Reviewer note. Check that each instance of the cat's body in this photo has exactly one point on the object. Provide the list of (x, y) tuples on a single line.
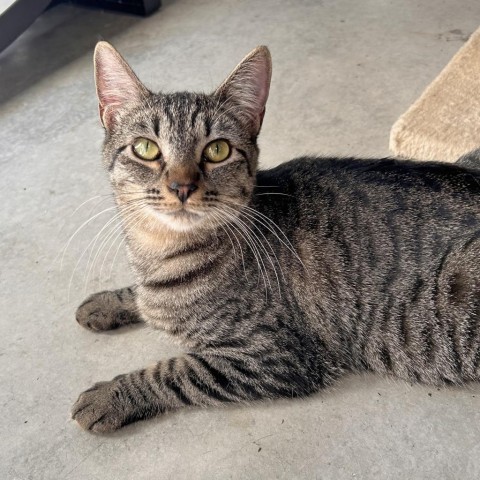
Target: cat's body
[(316, 267)]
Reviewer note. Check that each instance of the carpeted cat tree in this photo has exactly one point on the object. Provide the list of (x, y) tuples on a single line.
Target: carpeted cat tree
[(444, 123)]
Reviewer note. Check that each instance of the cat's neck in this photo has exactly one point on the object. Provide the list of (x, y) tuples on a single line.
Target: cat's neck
[(166, 253), (159, 242)]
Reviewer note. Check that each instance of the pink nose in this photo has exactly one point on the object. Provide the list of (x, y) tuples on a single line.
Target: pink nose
[(183, 191)]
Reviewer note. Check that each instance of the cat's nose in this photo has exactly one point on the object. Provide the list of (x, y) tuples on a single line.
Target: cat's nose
[(182, 190)]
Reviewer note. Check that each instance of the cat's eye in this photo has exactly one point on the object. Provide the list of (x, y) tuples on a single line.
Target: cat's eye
[(217, 151), (145, 149)]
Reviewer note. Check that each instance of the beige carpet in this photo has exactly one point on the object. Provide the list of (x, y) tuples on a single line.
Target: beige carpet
[(444, 123)]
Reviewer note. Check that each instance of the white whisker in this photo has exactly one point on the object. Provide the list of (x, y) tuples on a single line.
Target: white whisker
[(260, 216), (126, 213), (137, 222), (79, 228), (241, 227), (260, 242)]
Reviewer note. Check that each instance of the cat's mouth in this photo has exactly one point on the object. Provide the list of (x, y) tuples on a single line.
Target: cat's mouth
[(181, 219), (186, 214)]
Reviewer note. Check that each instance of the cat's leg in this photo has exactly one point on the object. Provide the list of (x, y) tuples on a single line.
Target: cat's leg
[(192, 380), (108, 310)]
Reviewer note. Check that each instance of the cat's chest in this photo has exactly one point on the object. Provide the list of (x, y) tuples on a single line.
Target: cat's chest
[(189, 303), (193, 320), (222, 304)]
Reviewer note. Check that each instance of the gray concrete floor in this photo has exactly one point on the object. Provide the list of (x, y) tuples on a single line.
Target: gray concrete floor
[(343, 72)]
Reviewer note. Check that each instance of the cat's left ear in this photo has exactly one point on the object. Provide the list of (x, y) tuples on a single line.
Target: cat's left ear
[(248, 85), (117, 85)]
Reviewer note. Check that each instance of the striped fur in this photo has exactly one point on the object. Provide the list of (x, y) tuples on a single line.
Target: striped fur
[(292, 276)]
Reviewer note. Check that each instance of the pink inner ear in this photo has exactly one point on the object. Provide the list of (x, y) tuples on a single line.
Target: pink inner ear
[(106, 97), (257, 74), (262, 72), (107, 115), (117, 85), (249, 84)]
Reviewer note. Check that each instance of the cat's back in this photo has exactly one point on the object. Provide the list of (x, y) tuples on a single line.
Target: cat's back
[(369, 225), (312, 173), (387, 246), (367, 192)]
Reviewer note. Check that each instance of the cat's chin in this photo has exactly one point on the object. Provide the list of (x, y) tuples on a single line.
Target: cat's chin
[(180, 220)]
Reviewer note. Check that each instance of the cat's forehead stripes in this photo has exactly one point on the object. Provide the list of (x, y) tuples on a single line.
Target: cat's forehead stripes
[(192, 114), (183, 113)]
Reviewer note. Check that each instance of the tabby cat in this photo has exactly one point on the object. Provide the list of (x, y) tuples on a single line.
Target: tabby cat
[(275, 281)]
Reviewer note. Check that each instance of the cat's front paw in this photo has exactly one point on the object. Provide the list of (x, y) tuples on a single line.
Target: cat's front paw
[(107, 311), (101, 408)]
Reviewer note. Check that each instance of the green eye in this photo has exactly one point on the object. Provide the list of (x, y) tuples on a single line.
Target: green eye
[(145, 149), (217, 151)]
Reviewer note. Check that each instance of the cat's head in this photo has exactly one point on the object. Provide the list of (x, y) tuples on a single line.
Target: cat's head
[(183, 161)]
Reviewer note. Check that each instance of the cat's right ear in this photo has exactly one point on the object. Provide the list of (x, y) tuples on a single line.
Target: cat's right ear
[(117, 85)]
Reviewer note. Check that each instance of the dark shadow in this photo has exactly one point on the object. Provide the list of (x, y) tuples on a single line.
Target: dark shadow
[(124, 329), (59, 36), (17, 17), (138, 7)]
